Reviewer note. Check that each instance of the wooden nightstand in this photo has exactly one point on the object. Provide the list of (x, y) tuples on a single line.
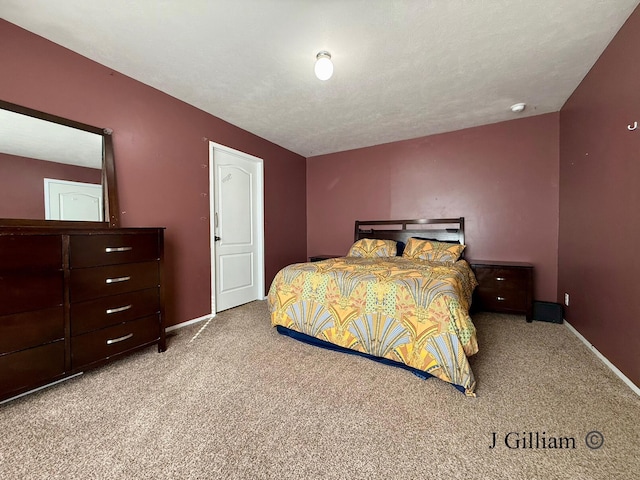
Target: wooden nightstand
[(505, 287), (319, 258)]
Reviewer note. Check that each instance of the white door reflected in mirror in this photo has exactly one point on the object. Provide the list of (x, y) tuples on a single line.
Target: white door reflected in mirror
[(66, 200)]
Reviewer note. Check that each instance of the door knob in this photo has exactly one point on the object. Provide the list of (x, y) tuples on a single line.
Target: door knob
[(216, 238)]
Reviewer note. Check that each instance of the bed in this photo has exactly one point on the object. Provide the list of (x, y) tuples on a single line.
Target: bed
[(401, 296)]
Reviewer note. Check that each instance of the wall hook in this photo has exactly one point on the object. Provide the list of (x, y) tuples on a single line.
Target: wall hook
[(635, 125)]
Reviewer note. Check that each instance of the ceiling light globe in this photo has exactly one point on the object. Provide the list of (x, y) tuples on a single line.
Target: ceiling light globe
[(518, 107), (324, 66)]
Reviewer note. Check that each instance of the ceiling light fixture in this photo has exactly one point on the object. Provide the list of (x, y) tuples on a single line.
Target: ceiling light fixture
[(324, 66), (518, 107)]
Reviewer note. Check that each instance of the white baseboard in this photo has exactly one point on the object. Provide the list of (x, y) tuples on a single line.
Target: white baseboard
[(604, 359), (189, 322)]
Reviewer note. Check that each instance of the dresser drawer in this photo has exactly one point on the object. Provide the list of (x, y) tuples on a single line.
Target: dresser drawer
[(21, 252), (102, 344), (112, 249), (31, 368), (89, 283), (105, 311), (25, 330), (29, 291)]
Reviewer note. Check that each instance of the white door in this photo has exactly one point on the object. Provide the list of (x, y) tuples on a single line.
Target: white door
[(67, 200), (237, 230)]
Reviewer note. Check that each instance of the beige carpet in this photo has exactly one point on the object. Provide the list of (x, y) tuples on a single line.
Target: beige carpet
[(242, 401)]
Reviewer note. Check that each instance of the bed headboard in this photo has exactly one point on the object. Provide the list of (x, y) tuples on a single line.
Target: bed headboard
[(443, 229)]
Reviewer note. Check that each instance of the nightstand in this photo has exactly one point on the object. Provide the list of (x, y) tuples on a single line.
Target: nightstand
[(504, 287), (319, 258)]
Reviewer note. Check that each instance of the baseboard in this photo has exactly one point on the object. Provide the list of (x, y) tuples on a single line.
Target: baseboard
[(196, 320), (188, 322), (604, 359)]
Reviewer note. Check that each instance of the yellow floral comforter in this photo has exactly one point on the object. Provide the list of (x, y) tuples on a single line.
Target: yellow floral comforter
[(410, 311)]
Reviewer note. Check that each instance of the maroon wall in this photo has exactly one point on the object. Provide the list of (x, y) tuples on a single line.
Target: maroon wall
[(22, 183), (599, 202), (161, 153), (503, 178)]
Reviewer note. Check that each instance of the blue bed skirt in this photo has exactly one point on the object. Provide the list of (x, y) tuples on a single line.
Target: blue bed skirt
[(330, 346)]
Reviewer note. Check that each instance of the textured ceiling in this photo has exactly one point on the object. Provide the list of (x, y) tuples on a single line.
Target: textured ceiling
[(403, 69)]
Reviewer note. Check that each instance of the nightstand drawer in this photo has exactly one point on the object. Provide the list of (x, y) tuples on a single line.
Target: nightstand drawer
[(493, 300), (501, 279)]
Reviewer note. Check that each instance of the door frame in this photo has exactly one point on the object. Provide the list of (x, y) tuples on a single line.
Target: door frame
[(259, 162)]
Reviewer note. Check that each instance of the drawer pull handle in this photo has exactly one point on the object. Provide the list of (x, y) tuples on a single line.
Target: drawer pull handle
[(500, 299), (111, 341), (119, 309), (500, 279), (117, 249), (117, 279)]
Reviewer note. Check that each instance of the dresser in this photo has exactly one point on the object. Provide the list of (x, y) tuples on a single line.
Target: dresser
[(71, 300), (504, 287)]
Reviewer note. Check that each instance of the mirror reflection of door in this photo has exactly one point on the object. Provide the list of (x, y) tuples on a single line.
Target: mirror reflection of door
[(66, 200)]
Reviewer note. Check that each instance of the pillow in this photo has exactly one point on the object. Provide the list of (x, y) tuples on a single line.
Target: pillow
[(432, 250), (372, 248)]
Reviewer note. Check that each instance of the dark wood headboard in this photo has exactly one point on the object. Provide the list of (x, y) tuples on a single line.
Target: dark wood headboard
[(443, 229)]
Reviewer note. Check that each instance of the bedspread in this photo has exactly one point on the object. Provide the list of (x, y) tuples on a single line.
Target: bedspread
[(410, 311)]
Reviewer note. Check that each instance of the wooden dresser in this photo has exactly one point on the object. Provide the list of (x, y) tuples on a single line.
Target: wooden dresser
[(505, 287), (71, 300)]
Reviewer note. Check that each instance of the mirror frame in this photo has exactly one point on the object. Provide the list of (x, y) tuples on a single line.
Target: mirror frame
[(109, 187)]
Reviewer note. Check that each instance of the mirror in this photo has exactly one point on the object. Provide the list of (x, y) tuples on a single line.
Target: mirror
[(54, 171)]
